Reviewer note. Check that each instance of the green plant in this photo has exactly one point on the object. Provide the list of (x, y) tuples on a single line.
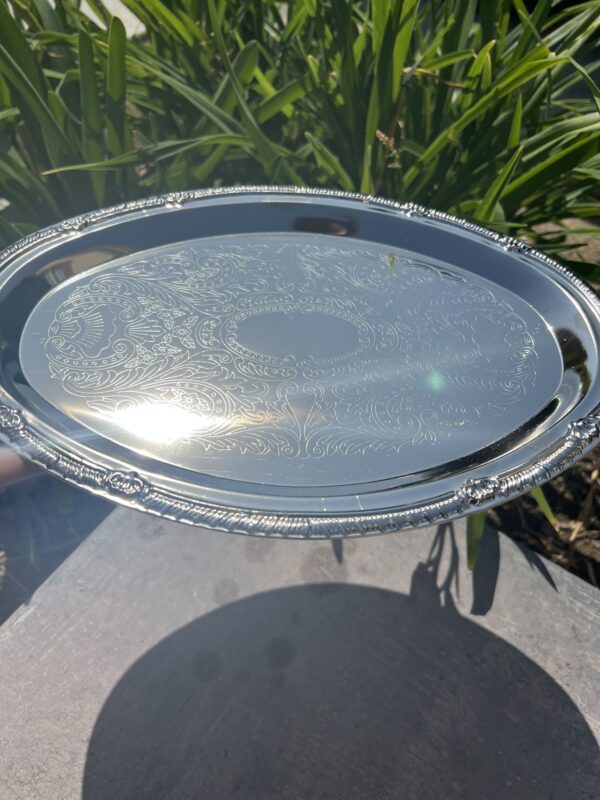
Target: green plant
[(477, 108), (476, 525)]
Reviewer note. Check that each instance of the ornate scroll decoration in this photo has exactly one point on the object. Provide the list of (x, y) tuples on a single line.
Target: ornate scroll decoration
[(170, 330), (137, 490), (132, 489)]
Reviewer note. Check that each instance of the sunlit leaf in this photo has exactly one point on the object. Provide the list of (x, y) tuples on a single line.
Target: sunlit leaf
[(544, 506), (485, 209), (475, 529)]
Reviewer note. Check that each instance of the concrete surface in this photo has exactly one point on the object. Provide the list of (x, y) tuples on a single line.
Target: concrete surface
[(161, 661), (132, 24)]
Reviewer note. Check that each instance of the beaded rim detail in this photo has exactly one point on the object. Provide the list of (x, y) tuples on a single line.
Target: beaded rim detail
[(135, 490)]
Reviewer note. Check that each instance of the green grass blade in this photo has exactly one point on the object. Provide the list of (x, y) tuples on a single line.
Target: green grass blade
[(408, 15), (98, 8), (531, 25), (551, 134), (520, 76), (91, 113), (243, 67), (194, 96), (28, 183), (514, 137), (366, 182), (485, 210), (330, 163), (157, 15), (267, 154), (447, 60), (536, 178), (21, 54), (61, 114), (478, 73), (54, 138), (380, 11), (543, 504), (48, 15), (210, 163), (591, 84), (9, 114), (475, 529), (115, 88), (302, 11), (281, 100), (156, 152)]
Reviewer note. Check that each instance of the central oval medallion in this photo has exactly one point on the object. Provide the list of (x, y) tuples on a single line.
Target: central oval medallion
[(293, 361), (297, 335)]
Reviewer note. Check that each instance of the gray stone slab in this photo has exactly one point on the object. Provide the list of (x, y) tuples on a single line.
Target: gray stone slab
[(161, 661)]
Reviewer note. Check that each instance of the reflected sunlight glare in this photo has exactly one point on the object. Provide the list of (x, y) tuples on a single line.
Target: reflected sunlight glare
[(436, 381), (162, 423)]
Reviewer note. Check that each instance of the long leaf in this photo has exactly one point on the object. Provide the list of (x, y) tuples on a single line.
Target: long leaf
[(243, 67), (50, 19), (91, 114), (485, 210), (475, 529), (16, 46), (514, 137), (543, 504), (55, 139), (115, 87), (330, 163), (266, 153), (155, 152), (408, 15), (592, 85), (380, 11), (519, 77), (531, 27), (537, 177), (281, 100), (158, 15), (194, 96)]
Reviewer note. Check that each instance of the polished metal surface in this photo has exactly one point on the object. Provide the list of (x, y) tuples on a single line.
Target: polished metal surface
[(295, 362)]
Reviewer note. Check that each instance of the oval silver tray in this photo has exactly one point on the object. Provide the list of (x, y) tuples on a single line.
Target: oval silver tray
[(294, 362)]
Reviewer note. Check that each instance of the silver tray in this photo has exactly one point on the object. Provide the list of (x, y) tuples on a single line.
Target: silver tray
[(294, 362)]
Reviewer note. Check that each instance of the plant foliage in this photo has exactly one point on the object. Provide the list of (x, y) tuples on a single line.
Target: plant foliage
[(478, 108)]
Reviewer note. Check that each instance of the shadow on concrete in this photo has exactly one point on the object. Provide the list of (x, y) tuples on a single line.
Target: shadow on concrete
[(484, 575), (487, 567), (339, 691), (42, 521)]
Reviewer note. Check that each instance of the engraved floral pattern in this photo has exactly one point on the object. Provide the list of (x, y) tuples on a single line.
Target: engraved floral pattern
[(513, 475), (168, 330)]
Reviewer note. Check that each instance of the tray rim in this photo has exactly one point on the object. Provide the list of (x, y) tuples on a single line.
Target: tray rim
[(48, 449)]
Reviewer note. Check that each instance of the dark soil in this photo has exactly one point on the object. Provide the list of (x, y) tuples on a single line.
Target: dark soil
[(575, 495), (575, 499)]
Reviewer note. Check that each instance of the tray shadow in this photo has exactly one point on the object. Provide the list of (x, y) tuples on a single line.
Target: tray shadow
[(339, 691)]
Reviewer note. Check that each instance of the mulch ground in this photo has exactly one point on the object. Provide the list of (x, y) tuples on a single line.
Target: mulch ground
[(575, 495), (575, 499)]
